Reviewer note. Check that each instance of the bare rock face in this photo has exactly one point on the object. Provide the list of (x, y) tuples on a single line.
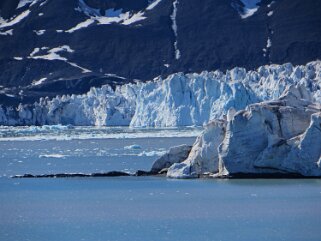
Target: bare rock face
[(175, 154), (280, 137), (138, 40)]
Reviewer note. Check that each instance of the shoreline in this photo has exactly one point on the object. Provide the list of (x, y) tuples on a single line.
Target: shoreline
[(141, 173)]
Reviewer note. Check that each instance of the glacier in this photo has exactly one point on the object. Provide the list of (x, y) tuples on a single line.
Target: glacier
[(178, 100), (280, 137)]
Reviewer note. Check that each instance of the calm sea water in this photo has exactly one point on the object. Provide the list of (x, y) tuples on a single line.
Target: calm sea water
[(141, 208)]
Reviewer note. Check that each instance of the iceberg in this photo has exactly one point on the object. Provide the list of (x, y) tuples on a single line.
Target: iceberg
[(278, 137), (175, 155)]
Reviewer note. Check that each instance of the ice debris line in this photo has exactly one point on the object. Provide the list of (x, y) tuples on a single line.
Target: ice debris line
[(179, 100)]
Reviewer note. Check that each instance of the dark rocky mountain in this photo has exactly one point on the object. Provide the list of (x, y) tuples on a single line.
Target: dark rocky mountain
[(50, 47)]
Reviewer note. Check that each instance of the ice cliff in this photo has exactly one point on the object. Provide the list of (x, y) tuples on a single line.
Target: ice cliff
[(281, 136), (178, 100), (99, 107)]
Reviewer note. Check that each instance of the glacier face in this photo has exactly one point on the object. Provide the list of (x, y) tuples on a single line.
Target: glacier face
[(280, 137), (194, 99), (178, 100), (99, 107)]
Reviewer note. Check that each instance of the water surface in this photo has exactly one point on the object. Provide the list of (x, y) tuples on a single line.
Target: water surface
[(139, 208)]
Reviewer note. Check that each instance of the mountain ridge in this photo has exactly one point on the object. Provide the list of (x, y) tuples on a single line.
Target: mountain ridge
[(142, 41)]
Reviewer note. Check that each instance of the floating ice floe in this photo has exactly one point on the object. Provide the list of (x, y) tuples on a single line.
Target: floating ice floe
[(52, 156), (133, 147), (152, 153)]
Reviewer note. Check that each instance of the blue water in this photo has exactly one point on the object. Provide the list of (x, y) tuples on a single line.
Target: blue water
[(142, 208), (87, 156), (159, 209)]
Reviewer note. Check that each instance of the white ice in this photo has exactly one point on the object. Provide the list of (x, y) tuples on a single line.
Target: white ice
[(250, 7), (8, 23), (133, 147), (23, 3), (39, 82), (153, 4), (84, 24), (178, 100), (39, 32), (8, 32), (174, 27)]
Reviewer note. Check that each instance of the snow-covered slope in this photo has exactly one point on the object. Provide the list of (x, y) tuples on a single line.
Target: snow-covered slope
[(179, 100), (111, 15)]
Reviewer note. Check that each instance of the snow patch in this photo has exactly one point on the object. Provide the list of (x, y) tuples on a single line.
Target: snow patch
[(39, 32), (134, 18), (248, 12), (111, 16), (52, 54), (270, 5), (35, 50), (8, 32), (39, 82), (10, 95), (8, 23), (248, 9), (23, 3), (269, 14), (174, 27), (268, 43), (84, 70), (153, 4), (84, 24)]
